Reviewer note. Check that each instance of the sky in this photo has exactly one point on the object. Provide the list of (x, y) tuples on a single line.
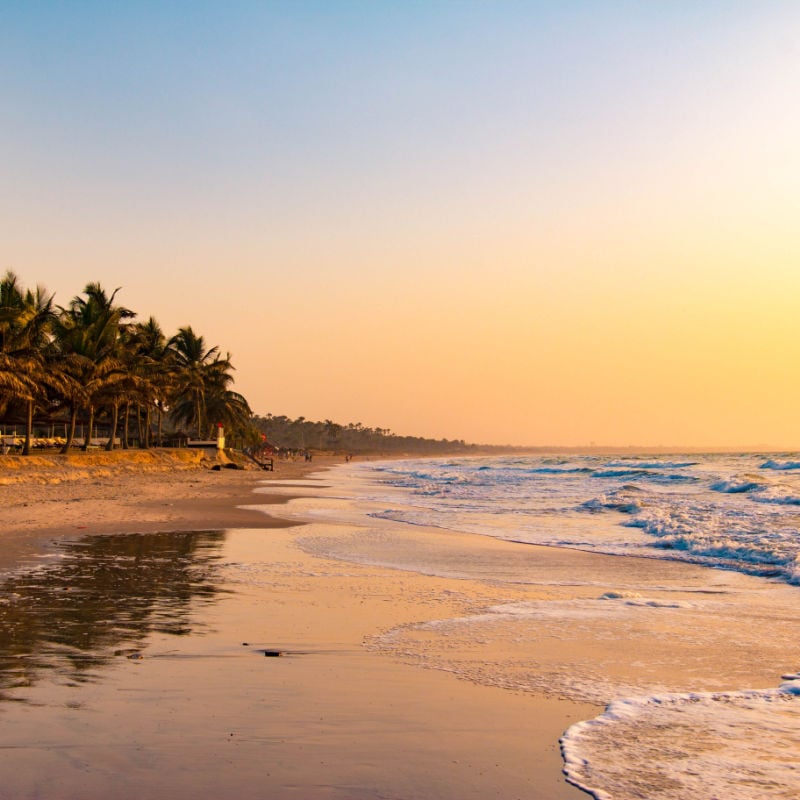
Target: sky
[(532, 223)]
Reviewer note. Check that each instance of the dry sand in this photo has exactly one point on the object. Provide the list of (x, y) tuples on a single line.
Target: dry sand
[(55, 498), (208, 716)]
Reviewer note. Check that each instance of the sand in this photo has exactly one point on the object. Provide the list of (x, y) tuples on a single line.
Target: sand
[(137, 663), (146, 711), (47, 498)]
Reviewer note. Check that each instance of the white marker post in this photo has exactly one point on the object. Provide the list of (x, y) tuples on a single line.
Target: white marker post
[(220, 437)]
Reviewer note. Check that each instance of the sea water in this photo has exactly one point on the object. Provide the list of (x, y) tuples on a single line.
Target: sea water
[(740, 512), (674, 726)]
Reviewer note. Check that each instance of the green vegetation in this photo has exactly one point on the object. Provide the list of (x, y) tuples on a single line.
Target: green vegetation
[(302, 434), (91, 364)]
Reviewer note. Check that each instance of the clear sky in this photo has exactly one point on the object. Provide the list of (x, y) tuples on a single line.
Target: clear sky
[(509, 222)]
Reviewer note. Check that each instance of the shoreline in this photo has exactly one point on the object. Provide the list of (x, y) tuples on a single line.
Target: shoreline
[(48, 499), (484, 656), (464, 739)]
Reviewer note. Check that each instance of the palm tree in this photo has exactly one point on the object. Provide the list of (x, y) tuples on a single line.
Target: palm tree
[(232, 410), (88, 360), (88, 335), (199, 370), (71, 391), (25, 320), (149, 360)]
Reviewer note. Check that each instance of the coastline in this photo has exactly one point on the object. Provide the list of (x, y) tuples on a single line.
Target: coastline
[(389, 730), (421, 662), (48, 499), (689, 655)]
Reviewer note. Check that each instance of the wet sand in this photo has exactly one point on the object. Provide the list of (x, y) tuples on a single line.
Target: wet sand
[(153, 682), (45, 501), (132, 660)]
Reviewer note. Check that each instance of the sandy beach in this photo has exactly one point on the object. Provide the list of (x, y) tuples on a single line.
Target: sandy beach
[(52, 498), (207, 715), (168, 630)]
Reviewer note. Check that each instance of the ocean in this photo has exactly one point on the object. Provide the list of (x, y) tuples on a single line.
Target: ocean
[(692, 642), (739, 512)]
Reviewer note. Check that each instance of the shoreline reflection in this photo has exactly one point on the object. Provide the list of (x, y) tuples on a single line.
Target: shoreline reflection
[(100, 601)]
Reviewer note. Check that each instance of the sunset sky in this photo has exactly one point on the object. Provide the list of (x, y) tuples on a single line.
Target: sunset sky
[(509, 222)]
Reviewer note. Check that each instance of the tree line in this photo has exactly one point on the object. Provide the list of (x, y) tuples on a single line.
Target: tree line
[(303, 434), (91, 362)]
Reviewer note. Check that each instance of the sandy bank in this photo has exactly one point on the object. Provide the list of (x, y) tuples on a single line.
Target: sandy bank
[(202, 715), (59, 497)]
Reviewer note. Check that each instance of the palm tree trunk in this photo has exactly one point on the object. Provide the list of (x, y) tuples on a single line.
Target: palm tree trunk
[(147, 420), (89, 429), (125, 420), (114, 422), (73, 416), (26, 449), (199, 420), (160, 420), (139, 423)]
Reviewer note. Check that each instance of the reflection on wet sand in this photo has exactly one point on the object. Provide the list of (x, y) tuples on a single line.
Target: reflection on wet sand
[(204, 714), (100, 602)]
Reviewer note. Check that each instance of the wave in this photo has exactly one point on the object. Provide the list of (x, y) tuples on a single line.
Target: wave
[(622, 473), (735, 487), (780, 465), (559, 470), (606, 503), (646, 474), (652, 464), (728, 514), (699, 535), (778, 500), (631, 749), (730, 554)]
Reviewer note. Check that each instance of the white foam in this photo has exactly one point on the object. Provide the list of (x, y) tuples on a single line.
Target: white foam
[(722, 511), (732, 745), (679, 739)]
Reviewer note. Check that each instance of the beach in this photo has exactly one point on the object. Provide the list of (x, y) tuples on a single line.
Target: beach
[(663, 588), (173, 631), (151, 711), (50, 498)]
